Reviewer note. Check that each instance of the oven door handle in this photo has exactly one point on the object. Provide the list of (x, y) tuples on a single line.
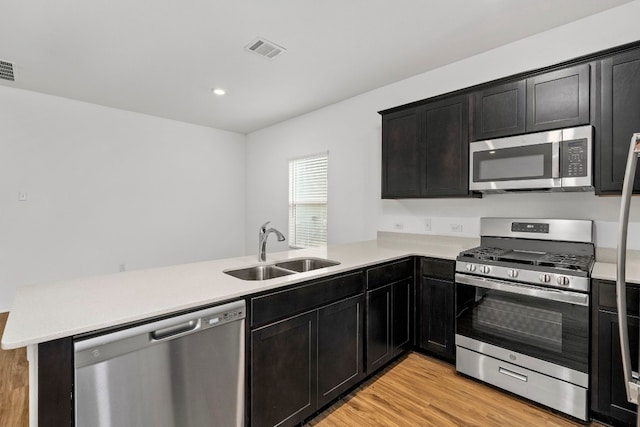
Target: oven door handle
[(522, 289)]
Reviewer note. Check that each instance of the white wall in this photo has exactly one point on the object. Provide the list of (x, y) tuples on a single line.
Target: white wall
[(350, 130), (107, 187)]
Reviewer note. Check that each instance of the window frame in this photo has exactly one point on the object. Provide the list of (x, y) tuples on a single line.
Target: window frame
[(316, 199)]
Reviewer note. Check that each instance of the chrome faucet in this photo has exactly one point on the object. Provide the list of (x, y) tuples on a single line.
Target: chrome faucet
[(262, 240)]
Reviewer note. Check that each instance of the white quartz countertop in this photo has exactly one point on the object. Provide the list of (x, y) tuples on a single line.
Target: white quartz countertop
[(605, 266), (48, 311)]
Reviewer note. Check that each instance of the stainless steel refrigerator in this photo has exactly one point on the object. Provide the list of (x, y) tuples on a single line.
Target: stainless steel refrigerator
[(631, 379)]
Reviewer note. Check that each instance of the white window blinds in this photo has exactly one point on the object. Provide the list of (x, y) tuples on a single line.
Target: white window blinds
[(308, 184)]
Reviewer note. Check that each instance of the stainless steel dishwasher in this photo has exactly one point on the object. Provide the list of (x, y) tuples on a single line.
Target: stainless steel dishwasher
[(185, 371)]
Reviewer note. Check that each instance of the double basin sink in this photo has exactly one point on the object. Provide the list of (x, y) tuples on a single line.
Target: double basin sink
[(280, 268)]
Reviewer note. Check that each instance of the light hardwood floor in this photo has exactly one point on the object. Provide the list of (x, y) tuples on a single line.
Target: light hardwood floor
[(14, 384), (421, 391), (414, 391)]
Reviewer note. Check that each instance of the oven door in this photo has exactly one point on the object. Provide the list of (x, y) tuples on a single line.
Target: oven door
[(539, 323), (525, 162)]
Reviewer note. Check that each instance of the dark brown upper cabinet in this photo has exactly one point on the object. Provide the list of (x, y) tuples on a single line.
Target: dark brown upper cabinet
[(558, 99), (425, 150), (446, 148), (401, 167), (499, 111), (620, 109), (551, 100)]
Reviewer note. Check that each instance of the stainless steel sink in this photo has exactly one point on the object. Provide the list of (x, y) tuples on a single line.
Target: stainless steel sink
[(306, 264), (279, 269), (259, 272)]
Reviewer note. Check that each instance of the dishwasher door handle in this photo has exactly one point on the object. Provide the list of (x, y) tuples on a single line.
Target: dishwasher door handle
[(175, 331)]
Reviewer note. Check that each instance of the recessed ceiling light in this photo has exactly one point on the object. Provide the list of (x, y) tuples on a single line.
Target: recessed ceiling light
[(218, 91)]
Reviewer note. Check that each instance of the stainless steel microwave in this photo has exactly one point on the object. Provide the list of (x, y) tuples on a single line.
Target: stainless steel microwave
[(558, 160)]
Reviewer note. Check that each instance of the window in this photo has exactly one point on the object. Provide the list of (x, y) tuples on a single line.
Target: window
[(308, 185)]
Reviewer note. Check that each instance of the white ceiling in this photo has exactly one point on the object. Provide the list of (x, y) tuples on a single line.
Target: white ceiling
[(162, 57)]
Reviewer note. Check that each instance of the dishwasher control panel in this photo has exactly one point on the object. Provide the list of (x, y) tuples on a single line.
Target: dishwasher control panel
[(222, 318)]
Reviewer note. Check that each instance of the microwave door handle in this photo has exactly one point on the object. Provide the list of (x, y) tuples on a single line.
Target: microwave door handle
[(555, 159), (632, 387)]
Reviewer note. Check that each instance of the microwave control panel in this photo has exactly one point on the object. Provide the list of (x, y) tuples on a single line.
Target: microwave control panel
[(575, 156)]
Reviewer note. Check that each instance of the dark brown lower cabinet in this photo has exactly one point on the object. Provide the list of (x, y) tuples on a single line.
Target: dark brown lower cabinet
[(611, 396), (283, 361), (55, 383), (301, 363), (608, 397), (389, 312), (437, 317), (340, 359), (436, 310), (389, 318), (378, 327), (402, 316)]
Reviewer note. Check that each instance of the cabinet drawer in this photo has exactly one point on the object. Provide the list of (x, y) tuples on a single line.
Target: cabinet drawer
[(279, 305), (389, 273), (606, 294), (440, 268)]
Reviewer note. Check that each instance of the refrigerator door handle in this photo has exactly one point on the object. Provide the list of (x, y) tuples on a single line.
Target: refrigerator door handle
[(631, 384)]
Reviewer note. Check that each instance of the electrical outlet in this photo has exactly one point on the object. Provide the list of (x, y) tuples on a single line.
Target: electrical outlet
[(22, 196), (398, 226), (427, 224), (122, 267), (456, 228)]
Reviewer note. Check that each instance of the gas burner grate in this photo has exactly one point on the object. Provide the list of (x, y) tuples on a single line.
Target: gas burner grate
[(574, 262), (509, 256), (484, 253)]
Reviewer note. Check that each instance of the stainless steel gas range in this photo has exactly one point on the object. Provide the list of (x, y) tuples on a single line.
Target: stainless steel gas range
[(522, 321)]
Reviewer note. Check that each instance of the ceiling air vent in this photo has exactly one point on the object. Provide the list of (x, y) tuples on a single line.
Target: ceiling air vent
[(265, 48), (6, 71)]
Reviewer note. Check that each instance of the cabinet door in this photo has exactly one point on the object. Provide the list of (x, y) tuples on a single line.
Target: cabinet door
[(446, 148), (340, 340), (401, 315), (499, 111), (610, 396), (436, 325), (401, 168), (620, 119), (378, 327), (558, 99), (283, 371)]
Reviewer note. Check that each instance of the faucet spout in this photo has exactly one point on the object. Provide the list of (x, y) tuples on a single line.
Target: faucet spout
[(263, 234)]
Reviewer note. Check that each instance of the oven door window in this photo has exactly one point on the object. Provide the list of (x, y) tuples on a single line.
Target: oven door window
[(516, 163), (557, 332)]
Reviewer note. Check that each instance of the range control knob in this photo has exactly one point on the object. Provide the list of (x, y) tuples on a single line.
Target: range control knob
[(544, 278), (563, 281), (485, 269), (471, 267), (512, 273)]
